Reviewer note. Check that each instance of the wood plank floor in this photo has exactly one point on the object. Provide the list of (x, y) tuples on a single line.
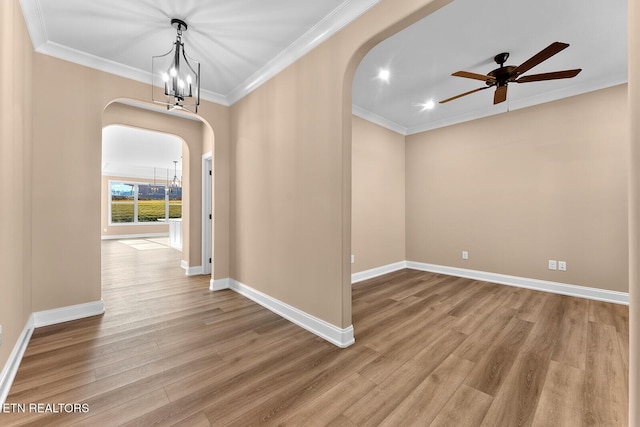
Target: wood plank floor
[(431, 350)]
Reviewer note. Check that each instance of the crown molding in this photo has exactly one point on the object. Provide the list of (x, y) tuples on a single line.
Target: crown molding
[(82, 58), (35, 22), (331, 24), (379, 120), (39, 39), (209, 95), (530, 101), (566, 92)]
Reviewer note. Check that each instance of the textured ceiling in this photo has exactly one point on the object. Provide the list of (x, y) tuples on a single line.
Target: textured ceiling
[(242, 43)]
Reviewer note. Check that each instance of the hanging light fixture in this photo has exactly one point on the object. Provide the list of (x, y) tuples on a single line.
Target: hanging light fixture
[(176, 77), (175, 182)]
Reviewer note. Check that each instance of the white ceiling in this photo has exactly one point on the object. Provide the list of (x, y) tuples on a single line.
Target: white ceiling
[(466, 35), (243, 43), (239, 43), (139, 153)]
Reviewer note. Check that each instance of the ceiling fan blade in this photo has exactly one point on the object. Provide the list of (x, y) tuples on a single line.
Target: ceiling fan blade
[(543, 55), (500, 95), (474, 76), (566, 74), (464, 94)]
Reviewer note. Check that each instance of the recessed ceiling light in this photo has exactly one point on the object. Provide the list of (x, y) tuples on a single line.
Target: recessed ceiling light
[(427, 105), (384, 74)]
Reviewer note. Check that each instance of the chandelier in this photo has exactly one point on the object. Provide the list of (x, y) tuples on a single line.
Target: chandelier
[(176, 182), (176, 77), (172, 186)]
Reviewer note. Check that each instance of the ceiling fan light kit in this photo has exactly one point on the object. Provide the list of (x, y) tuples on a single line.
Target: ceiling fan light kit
[(505, 74)]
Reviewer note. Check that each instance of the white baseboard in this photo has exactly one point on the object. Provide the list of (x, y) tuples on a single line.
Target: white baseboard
[(335, 335), (523, 282), (133, 236), (378, 271), (13, 363), (219, 284), (66, 314), (191, 271), (37, 320)]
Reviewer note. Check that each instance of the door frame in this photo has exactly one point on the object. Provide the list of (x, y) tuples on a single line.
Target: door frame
[(207, 213)]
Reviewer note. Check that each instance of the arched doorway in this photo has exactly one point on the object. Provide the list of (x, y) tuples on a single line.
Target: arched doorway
[(141, 184), (195, 136)]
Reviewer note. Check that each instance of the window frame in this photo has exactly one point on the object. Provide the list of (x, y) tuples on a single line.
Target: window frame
[(136, 190)]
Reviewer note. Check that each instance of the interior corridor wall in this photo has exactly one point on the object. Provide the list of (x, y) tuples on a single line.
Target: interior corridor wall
[(634, 212), (67, 134), (15, 175), (378, 196), (518, 189), (191, 133), (291, 178), (220, 230)]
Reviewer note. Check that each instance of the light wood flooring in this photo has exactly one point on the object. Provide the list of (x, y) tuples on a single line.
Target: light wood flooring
[(431, 350)]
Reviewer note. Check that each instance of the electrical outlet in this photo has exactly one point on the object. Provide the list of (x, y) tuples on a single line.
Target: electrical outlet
[(553, 264), (562, 265), (353, 259), (0, 334), (465, 255)]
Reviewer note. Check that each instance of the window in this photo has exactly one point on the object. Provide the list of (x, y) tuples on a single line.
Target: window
[(143, 203), (175, 202), (152, 205), (122, 202)]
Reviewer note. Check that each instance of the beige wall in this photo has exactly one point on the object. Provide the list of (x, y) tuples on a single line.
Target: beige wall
[(217, 142), (67, 145), (15, 175), (634, 213), (378, 196), (301, 117), (518, 189), (291, 227), (192, 134), (125, 229)]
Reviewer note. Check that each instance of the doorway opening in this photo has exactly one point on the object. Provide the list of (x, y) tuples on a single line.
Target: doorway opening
[(182, 178), (142, 188)]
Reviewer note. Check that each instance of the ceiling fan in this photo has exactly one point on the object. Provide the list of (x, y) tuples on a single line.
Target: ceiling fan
[(503, 75)]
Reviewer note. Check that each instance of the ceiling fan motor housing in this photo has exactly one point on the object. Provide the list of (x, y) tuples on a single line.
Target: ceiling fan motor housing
[(503, 75)]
